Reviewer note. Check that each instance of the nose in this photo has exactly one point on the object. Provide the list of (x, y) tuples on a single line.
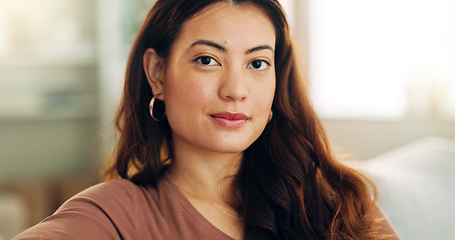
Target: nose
[(233, 85)]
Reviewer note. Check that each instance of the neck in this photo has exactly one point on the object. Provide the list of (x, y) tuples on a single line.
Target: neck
[(206, 175), (207, 178)]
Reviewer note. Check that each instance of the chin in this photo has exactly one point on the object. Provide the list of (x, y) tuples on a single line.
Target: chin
[(231, 146)]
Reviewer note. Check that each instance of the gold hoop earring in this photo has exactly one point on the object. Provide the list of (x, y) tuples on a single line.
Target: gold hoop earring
[(155, 106)]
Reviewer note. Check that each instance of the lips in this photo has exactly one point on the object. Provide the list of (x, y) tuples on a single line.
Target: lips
[(230, 116), (231, 120)]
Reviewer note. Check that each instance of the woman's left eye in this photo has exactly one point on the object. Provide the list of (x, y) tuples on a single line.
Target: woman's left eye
[(259, 65)]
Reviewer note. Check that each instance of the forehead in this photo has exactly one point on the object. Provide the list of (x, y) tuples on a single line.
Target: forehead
[(228, 24)]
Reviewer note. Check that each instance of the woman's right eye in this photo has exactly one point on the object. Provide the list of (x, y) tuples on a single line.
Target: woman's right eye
[(206, 60)]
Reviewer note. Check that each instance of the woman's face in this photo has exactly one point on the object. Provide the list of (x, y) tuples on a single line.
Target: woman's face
[(219, 80)]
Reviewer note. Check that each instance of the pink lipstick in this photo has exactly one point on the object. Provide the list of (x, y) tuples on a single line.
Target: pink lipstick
[(230, 120)]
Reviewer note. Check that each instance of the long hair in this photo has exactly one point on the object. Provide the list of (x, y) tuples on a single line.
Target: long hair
[(290, 185)]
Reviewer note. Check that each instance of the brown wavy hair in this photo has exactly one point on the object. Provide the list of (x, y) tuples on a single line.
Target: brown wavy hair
[(290, 185)]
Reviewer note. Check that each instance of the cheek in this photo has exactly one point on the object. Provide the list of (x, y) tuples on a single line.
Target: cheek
[(267, 93), (186, 93), (263, 102), (272, 90)]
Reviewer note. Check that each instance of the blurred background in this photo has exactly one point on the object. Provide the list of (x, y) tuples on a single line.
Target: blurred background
[(381, 76)]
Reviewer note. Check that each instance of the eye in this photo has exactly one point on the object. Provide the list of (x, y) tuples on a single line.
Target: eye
[(259, 65), (206, 60)]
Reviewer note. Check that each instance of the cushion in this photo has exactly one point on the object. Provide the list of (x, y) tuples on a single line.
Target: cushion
[(416, 185)]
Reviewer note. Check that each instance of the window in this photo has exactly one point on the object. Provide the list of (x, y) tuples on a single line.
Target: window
[(382, 59)]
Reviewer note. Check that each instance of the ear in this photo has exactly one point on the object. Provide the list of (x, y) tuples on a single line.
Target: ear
[(154, 70)]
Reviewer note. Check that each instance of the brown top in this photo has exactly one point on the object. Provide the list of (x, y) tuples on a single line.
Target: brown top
[(119, 209)]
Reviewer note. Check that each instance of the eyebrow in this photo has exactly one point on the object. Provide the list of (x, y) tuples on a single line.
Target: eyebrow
[(259, 48), (209, 43), (221, 48)]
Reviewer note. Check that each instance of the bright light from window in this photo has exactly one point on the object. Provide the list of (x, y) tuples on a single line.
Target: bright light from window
[(289, 7), (382, 59)]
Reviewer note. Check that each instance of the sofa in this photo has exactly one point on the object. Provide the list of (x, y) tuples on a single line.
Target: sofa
[(416, 185)]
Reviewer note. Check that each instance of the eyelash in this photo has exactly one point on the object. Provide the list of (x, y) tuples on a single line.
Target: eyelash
[(200, 59), (267, 64)]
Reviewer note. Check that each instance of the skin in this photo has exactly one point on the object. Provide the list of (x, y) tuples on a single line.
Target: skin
[(222, 61)]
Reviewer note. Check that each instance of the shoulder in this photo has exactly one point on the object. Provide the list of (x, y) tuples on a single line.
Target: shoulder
[(112, 197), (382, 224), (119, 200), (118, 190), (108, 210)]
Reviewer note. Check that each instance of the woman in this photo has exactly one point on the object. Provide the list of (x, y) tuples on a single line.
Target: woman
[(218, 140)]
